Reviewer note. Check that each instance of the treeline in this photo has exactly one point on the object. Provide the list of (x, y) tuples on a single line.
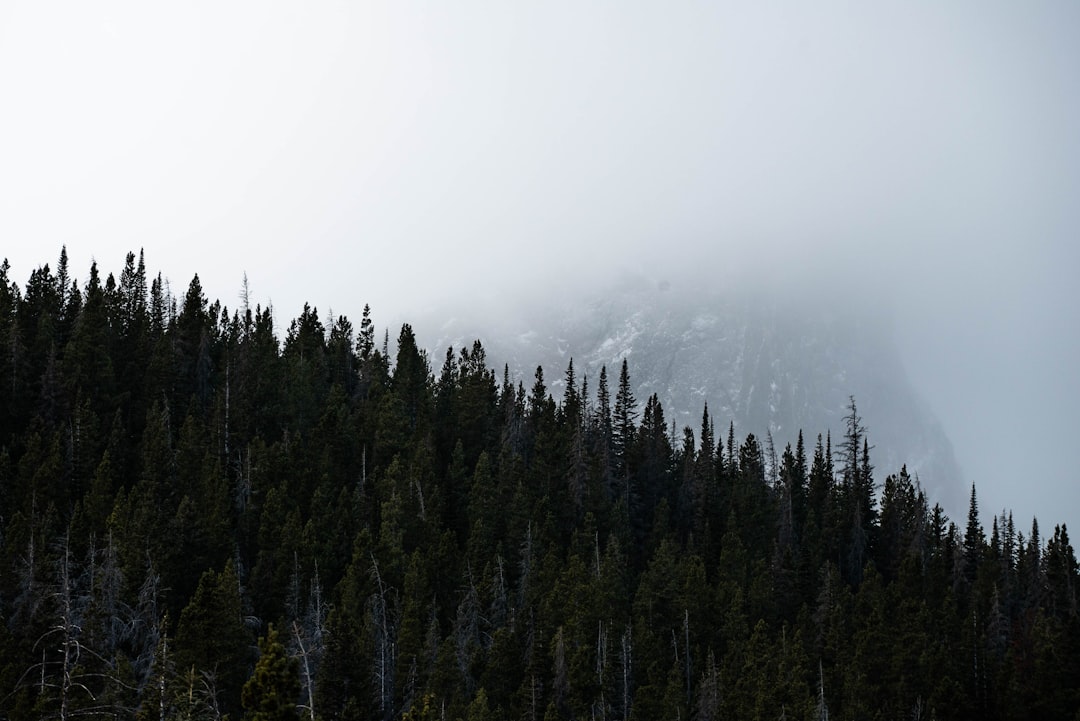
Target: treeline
[(180, 488)]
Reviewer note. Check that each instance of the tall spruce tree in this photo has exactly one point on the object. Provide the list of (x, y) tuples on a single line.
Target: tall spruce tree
[(624, 429), (858, 511), (272, 692), (974, 539)]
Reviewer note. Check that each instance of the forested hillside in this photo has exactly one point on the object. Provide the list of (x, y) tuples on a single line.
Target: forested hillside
[(199, 518)]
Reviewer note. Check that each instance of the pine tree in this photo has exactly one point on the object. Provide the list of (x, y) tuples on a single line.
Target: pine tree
[(974, 540), (273, 689), (624, 430), (858, 513), (704, 474), (411, 378), (574, 421), (193, 363), (602, 435), (211, 637), (341, 358)]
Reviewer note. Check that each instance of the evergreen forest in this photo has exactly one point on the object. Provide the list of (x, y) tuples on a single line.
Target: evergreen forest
[(202, 519)]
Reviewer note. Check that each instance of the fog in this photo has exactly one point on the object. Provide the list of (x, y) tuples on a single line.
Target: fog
[(916, 158)]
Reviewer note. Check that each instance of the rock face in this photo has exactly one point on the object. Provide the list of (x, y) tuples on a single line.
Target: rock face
[(765, 365)]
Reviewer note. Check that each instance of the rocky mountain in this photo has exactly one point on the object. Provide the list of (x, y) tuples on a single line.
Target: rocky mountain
[(767, 366)]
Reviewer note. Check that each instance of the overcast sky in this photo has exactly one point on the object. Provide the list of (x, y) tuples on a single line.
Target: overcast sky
[(926, 155)]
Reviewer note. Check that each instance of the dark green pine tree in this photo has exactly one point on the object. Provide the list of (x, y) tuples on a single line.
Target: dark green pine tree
[(791, 493), (654, 472), (704, 478), (272, 691), (365, 340), (858, 516), (974, 540), (799, 485), (572, 418), (624, 417), (211, 639), (903, 515), (341, 356), (192, 352), (132, 342), (411, 379), (603, 434), (624, 430), (751, 499), (10, 345), (306, 370), (87, 365), (445, 408), (477, 404)]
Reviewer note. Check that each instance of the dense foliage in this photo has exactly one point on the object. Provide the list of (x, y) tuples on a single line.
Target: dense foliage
[(180, 489)]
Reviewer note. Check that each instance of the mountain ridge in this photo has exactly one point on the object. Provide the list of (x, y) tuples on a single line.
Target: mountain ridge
[(766, 365)]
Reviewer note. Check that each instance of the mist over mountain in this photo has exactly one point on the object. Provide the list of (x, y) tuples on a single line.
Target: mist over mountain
[(766, 363)]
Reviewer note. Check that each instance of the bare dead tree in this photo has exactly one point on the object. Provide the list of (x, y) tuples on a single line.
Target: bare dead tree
[(822, 709), (689, 663), (466, 634), (600, 705), (69, 668), (308, 642), (385, 647), (708, 697), (626, 657)]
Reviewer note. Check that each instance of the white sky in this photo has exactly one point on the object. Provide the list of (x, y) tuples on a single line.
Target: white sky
[(405, 153)]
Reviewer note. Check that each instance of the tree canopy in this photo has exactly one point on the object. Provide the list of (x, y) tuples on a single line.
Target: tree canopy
[(410, 542)]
